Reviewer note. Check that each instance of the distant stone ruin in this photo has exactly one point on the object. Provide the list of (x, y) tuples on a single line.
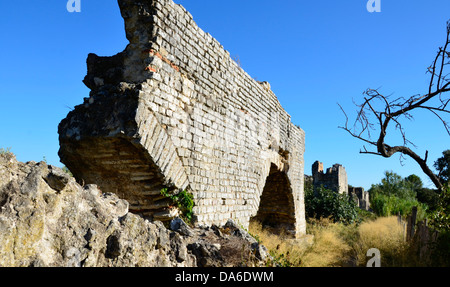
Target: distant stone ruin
[(335, 178), (173, 110), (360, 196)]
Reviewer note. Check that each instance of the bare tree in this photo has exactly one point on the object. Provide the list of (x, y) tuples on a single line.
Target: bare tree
[(378, 112)]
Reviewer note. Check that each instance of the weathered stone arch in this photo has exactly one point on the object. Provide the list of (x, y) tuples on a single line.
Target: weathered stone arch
[(175, 105), (132, 156), (276, 206)]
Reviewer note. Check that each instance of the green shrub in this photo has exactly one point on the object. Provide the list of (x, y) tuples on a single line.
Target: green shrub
[(440, 218), (184, 201), (394, 185), (440, 250), (323, 203), (430, 197), (385, 205), (442, 165)]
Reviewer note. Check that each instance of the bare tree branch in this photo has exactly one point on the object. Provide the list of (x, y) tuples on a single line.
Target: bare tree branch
[(377, 112)]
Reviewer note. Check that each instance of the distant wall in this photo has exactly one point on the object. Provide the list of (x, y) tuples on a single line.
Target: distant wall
[(335, 177), (360, 196)]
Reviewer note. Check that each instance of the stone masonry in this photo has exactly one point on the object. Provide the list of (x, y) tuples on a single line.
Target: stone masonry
[(174, 110), (360, 196), (335, 178)]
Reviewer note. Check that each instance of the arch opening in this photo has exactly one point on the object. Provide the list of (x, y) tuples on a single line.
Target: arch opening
[(120, 167), (276, 210)]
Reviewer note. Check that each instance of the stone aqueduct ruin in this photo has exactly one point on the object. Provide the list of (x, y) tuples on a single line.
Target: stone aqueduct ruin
[(174, 110)]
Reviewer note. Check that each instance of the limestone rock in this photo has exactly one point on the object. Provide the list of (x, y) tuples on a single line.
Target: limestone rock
[(48, 219), (181, 227)]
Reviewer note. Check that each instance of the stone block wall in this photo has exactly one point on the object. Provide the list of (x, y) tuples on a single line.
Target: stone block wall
[(335, 177), (174, 110), (360, 196)]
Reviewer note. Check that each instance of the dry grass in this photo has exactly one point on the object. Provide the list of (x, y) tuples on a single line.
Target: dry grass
[(328, 250), (337, 245), (281, 246), (387, 235)]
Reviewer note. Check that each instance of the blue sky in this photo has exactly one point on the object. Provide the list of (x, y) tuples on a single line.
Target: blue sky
[(315, 54)]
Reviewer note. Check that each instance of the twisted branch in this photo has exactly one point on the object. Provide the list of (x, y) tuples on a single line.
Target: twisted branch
[(370, 118)]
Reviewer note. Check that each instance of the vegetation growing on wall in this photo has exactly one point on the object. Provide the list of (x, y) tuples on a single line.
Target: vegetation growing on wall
[(183, 200)]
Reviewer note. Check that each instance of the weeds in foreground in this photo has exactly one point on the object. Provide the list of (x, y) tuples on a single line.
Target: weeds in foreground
[(282, 248), (387, 235), (331, 246), (339, 245)]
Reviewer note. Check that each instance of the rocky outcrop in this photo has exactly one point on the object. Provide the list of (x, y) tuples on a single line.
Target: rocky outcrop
[(48, 219)]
